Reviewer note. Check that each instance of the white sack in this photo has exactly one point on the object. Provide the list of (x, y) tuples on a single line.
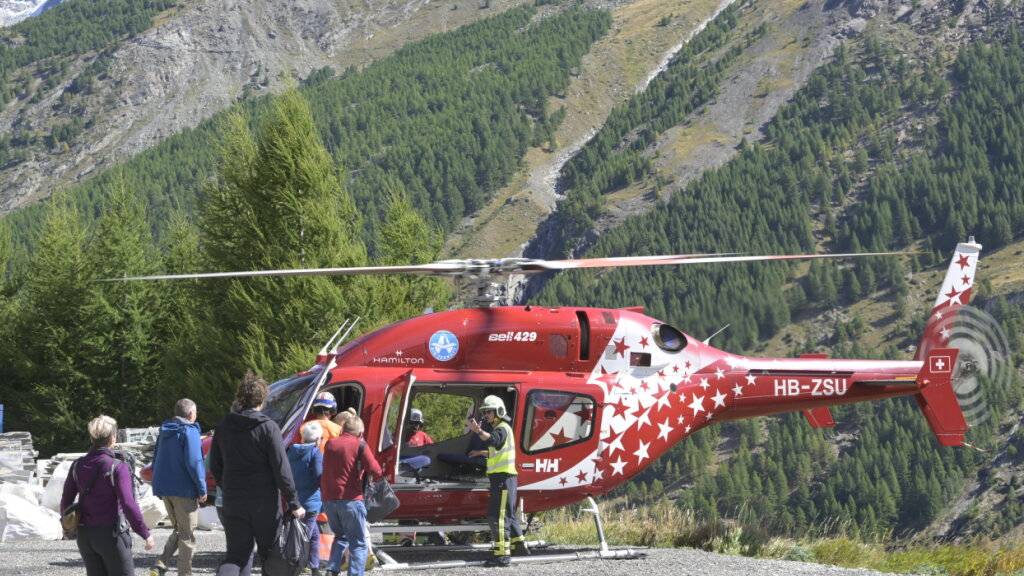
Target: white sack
[(153, 509), (26, 491), (55, 487), (23, 520), (208, 519)]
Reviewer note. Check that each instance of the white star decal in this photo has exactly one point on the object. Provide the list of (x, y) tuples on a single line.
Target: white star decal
[(719, 399), (687, 430), (615, 445), (938, 315), (737, 390), (598, 474), (680, 419), (751, 379), (719, 374), (710, 414), (945, 333), (697, 405), (665, 430), (644, 418), (617, 466), (704, 383), (641, 451), (663, 401)]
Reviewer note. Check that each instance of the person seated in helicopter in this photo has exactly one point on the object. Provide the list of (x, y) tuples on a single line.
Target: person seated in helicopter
[(416, 438), (473, 460)]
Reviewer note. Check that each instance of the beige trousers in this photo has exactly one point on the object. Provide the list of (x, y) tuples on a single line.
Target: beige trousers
[(184, 516)]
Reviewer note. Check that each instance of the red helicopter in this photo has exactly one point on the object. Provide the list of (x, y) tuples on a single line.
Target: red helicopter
[(595, 395)]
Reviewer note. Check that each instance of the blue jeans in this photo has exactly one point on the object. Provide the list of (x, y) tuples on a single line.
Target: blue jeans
[(338, 549), (314, 537), (348, 517)]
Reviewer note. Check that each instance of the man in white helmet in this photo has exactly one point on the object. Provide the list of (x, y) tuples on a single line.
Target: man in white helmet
[(501, 470)]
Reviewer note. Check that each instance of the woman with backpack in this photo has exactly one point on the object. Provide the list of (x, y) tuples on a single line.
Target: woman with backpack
[(107, 509)]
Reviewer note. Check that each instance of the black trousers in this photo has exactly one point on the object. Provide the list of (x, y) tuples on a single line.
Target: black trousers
[(249, 522), (105, 554), (501, 513)]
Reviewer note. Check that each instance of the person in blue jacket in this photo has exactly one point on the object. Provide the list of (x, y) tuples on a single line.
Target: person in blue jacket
[(179, 477), (307, 464)]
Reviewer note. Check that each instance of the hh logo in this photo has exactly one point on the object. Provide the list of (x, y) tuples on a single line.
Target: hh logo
[(547, 464), (940, 364)]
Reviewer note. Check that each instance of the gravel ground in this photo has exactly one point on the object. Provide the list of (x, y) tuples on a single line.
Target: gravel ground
[(60, 558)]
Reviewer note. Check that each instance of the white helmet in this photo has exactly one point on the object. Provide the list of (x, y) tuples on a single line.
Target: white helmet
[(494, 403), (416, 415)]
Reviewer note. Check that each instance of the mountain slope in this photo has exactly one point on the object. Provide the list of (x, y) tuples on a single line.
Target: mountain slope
[(190, 64)]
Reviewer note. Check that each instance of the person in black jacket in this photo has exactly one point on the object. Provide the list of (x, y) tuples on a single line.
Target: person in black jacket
[(248, 461)]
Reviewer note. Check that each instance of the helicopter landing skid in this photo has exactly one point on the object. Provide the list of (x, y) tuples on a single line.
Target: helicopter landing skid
[(386, 562)]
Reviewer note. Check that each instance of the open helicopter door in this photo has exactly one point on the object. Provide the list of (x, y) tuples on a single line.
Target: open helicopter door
[(391, 429)]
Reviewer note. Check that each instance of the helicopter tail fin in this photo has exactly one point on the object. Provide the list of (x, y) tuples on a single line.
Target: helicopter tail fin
[(937, 399), (954, 295), (936, 396)]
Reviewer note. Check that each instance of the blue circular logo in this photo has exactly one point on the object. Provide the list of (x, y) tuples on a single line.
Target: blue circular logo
[(443, 345)]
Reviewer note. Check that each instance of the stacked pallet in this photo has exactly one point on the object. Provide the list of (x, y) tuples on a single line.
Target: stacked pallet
[(17, 457), (138, 435)]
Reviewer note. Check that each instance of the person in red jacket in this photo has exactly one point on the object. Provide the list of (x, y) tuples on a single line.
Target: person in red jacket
[(347, 459)]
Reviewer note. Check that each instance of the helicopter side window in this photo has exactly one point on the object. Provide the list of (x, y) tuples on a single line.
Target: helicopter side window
[(668, 338), (556, 419), (390, 431), (282, 403)]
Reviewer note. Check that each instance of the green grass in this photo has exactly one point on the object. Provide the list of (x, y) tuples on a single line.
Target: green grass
[(663, 525)]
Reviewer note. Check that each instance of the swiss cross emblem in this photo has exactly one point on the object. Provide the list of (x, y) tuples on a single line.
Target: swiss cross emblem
[(940, 364)]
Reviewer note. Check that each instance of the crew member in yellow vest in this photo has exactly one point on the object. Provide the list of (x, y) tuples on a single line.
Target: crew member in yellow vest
[(501, 470)]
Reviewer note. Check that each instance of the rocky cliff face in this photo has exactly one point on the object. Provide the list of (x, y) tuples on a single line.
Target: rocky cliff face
[(14, 11), (198, 60)]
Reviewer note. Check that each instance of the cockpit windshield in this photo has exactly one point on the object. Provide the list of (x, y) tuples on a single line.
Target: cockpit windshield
[(284, 394)]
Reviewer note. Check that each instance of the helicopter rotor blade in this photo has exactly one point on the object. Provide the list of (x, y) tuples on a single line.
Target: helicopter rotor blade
[(631, 261), (434, 268), (481, 268)]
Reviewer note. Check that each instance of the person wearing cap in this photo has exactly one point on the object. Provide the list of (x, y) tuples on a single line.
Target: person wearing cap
[(324, 408), (501, 471), (307, 463)]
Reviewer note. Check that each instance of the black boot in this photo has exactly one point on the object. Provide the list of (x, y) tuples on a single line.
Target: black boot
[(498, 562), (520, 549)]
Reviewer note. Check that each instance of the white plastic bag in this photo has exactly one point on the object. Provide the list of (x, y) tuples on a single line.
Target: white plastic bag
[(24, 520), (55, 487), (208, 519)]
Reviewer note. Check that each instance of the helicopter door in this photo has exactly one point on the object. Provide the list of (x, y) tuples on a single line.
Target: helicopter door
[(391, 428), (557, 430)]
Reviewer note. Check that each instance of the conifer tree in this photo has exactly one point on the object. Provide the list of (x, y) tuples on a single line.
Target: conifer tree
[(121, 345), (278, 203), (406, 238), (53, 394)]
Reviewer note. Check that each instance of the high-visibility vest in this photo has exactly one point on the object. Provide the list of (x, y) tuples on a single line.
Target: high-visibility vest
[(502, 461)]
